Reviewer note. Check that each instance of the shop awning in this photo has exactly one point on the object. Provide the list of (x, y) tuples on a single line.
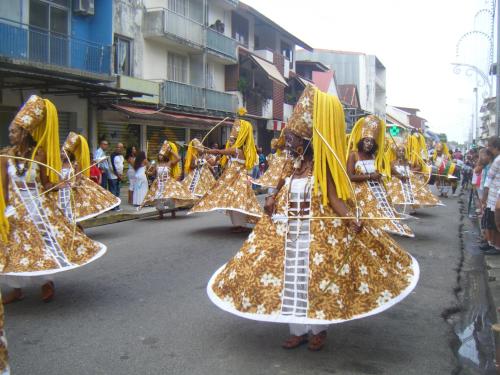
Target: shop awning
[(153, 114), (271, 71), (275, 125)]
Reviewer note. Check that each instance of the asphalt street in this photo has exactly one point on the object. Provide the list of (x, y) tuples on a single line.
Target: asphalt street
[(143, 309)]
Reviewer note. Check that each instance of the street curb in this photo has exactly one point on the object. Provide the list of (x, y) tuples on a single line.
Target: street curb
[(116, 218)]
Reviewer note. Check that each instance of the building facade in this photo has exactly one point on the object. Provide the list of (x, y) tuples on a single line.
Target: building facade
[(365, 71), (61, 50)]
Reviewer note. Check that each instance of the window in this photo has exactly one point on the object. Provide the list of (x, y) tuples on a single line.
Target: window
[(239, 28), (123, 50), (49, 16), (286, 51), (49, 28), (178, 6), (177, 67)]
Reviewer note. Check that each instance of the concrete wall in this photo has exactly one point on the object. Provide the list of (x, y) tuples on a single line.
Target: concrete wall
[(155, 61), (127, 21)]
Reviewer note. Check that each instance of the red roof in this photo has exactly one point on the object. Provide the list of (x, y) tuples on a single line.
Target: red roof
[(348, 94), (322, 79)]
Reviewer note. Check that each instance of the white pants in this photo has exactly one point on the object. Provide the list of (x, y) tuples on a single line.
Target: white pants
[(237, 218), (304, 329)]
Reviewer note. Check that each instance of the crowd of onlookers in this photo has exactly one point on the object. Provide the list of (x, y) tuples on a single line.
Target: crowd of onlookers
[(481, 172), (108, 169)]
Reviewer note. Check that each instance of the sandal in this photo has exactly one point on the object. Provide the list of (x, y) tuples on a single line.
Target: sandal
[(48, 291), (14, 296), (294, 342), (317, 341)]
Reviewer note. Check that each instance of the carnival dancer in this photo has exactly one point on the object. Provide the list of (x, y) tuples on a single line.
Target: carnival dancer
[(166, 191), (366, 165), (198, 176), (233, 190), (279, 165), (80, 198), (37, 239), (404, 186), (309, 262), (444, 169)]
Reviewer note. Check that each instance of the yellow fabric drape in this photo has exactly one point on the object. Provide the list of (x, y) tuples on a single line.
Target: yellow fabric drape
[(246, 142), (329, 121), (82, 155), (191, 153), (176, 169), (47, 138)]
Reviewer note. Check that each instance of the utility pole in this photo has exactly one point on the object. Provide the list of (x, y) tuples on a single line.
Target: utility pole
[(497, 70), (476, 116)]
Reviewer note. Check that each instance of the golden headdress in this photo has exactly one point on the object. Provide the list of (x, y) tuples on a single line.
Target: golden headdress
[(441, 146), (317, 112), (301, 121), (370, 127), (168, 148), (39, 118), (194, 149), (77, 145), (242, 133)]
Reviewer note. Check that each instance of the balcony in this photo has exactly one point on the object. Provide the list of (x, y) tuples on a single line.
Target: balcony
[(222, 45), (24, 42), (164, 23), (221, 101), (185, 95)]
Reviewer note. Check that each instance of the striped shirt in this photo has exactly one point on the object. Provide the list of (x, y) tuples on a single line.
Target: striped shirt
[(493, 183)]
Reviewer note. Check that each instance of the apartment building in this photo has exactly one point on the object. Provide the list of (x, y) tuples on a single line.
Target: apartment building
[(198, 60), (59, 49), (365, 71)]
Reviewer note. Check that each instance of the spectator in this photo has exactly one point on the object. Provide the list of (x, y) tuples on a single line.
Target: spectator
[(103, 165), (262, 161), (457, 155), (481, 170), (130, 157), (131, 150), (490, 194), (116, 172), (141, 181), (95, 172), (213, 161)]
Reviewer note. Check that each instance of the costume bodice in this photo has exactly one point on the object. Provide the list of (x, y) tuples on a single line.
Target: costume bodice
[(28, 178), (402, 169), (163, 171), (365, 166)]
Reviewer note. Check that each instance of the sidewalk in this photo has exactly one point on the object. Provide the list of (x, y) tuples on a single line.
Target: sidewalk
[(128, 212)]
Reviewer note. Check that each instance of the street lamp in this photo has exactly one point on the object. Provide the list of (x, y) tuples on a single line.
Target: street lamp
[(469, 69)]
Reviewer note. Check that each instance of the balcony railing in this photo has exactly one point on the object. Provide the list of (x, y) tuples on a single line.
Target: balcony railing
[(24, 42), (222, 44), (182, 94), (164, 22), (221, 101)]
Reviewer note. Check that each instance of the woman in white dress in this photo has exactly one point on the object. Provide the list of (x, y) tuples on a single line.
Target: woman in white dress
[(141, 180), (130, 157)]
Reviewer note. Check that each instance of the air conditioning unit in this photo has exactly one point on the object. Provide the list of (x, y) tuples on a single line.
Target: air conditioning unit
[(84, 7)]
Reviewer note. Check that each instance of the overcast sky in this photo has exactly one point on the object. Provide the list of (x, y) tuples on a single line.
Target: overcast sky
[(416, 41)]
